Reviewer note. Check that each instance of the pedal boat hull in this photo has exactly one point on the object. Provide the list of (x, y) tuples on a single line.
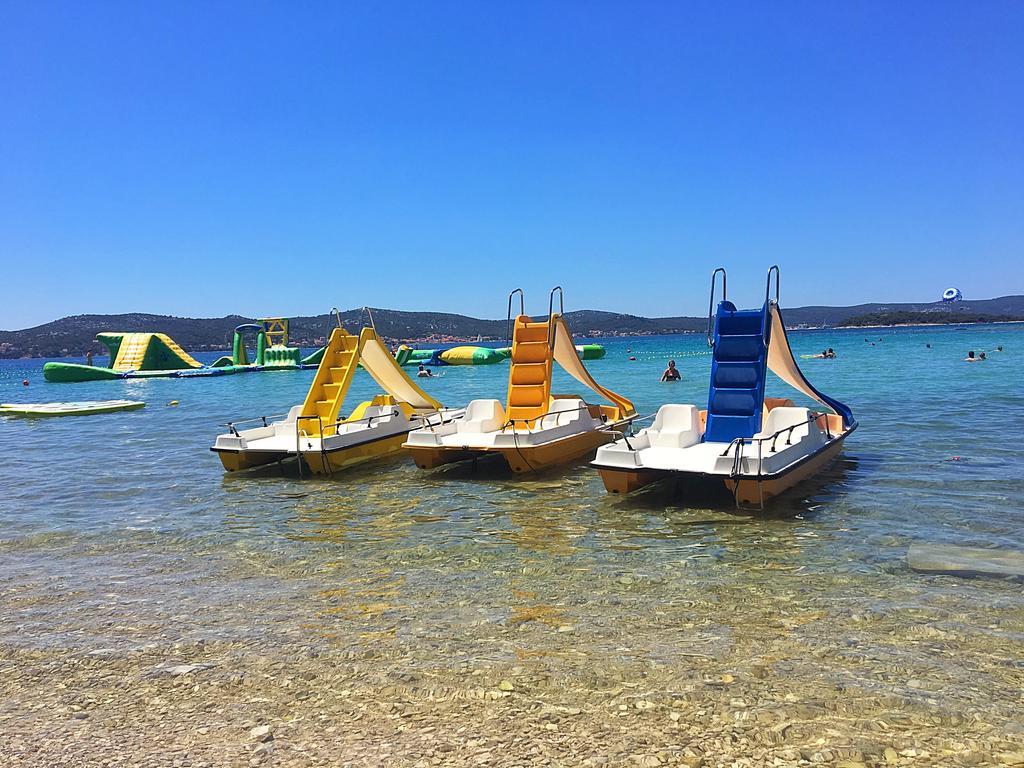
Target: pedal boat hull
[(524, 451), (745, 488), (368, 439)]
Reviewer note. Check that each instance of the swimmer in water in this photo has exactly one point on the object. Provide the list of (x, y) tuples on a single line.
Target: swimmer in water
[(971, 358), (999, 348), (671, 373), (424, 372)]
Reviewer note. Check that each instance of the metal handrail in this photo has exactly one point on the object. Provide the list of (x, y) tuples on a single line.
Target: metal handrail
[(369, 314), (739, 442), (232, 424), (767, 292), (367, 419), (337, 316), (711, 302), (522, 311), (768, 284), (561, 311)]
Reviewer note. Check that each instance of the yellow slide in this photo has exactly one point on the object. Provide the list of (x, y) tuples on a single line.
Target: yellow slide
[(386, 371), (567, 357)]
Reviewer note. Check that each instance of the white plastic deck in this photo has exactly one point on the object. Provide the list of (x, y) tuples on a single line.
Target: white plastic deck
[(672, 444), (486, 427)]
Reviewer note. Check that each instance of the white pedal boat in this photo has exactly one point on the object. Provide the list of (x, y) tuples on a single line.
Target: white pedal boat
[(756, 447), (535, 429), (317, 433)]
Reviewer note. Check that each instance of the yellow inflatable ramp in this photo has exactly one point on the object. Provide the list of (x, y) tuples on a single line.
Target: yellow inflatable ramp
[(529, 377), (147, 352), (132, 351), (331, 383), (172, 345)]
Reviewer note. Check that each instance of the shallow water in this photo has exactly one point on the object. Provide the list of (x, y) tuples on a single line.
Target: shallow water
[(121, 536)]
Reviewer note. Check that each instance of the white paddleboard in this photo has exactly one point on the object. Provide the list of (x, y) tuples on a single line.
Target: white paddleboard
[(68, 409)]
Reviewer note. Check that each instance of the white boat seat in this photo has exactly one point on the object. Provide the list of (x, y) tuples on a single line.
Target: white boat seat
[(563, 412), (675, 426), (784, 417), (482, 416), (376, 411)]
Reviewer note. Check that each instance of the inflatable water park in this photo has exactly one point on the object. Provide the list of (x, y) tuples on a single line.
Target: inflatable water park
[(142, 355), (145, 355), (475, 355)]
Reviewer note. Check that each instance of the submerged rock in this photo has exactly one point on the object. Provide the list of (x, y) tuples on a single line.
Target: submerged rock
[(965, 561)]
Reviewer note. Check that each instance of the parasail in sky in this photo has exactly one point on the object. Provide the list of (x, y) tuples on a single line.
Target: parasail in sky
[(952, 294)]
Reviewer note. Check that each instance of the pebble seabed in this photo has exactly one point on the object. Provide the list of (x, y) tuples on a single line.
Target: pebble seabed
[(520, 646)]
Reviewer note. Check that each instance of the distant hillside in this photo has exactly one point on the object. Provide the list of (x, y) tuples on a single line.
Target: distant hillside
[(924, 318), (1004, 306), (74, 335)]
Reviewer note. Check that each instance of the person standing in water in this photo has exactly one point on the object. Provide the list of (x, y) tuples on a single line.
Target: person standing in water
[(671, 373)]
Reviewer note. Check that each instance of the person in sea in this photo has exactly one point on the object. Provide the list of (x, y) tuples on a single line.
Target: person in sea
[(972, 359), (671, 373), (999, 348), (424, 372)]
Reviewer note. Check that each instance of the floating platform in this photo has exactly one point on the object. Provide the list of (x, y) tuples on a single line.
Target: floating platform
[(157, 355), (83, 408)]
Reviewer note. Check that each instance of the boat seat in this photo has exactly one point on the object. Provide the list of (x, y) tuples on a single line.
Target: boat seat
[(562, 412), (783, 417), (377, 411), (675, 426), (482, 416)]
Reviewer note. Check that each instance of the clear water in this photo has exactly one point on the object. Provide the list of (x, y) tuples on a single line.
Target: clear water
[(121, 533)]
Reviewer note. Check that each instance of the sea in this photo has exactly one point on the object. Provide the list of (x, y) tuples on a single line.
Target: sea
[(121, 535)]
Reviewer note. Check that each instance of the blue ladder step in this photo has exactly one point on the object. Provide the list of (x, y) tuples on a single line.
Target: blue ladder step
[(742, 375), (741, 323), (741, 348), (734, 402)]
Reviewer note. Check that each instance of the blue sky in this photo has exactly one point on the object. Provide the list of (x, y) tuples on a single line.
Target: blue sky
[(282, 158)]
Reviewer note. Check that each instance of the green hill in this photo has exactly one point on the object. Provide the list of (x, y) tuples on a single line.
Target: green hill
[(74, 335)]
